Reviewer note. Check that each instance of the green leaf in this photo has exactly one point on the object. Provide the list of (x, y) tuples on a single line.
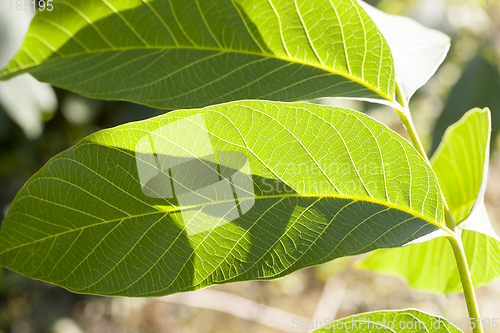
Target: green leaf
[(417, 51), (178, 53), (239, 191), (461, 164), (396, 321)]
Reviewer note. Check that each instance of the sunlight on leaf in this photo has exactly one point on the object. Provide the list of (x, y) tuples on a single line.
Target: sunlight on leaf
[(196, 53), (238, 191)]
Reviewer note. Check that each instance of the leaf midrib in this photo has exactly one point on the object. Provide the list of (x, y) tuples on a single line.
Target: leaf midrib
[(199, 48), (175, 209)]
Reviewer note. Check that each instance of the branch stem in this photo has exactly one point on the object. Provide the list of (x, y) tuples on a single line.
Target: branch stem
[(466, 278), (412, 132), (456, 238)]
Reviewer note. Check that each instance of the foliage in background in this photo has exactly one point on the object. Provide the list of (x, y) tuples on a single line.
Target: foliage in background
[(27, 101)]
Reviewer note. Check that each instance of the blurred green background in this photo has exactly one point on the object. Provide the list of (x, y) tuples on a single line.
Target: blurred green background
[(31, 135)]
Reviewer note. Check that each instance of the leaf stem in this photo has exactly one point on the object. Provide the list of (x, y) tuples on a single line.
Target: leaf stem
[(456, 239)]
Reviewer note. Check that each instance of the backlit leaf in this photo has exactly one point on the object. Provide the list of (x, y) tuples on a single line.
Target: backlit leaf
[(191, 53), (239, 191)]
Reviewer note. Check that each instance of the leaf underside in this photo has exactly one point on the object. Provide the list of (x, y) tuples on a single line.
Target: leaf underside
[(238, 191), (190, 53)]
